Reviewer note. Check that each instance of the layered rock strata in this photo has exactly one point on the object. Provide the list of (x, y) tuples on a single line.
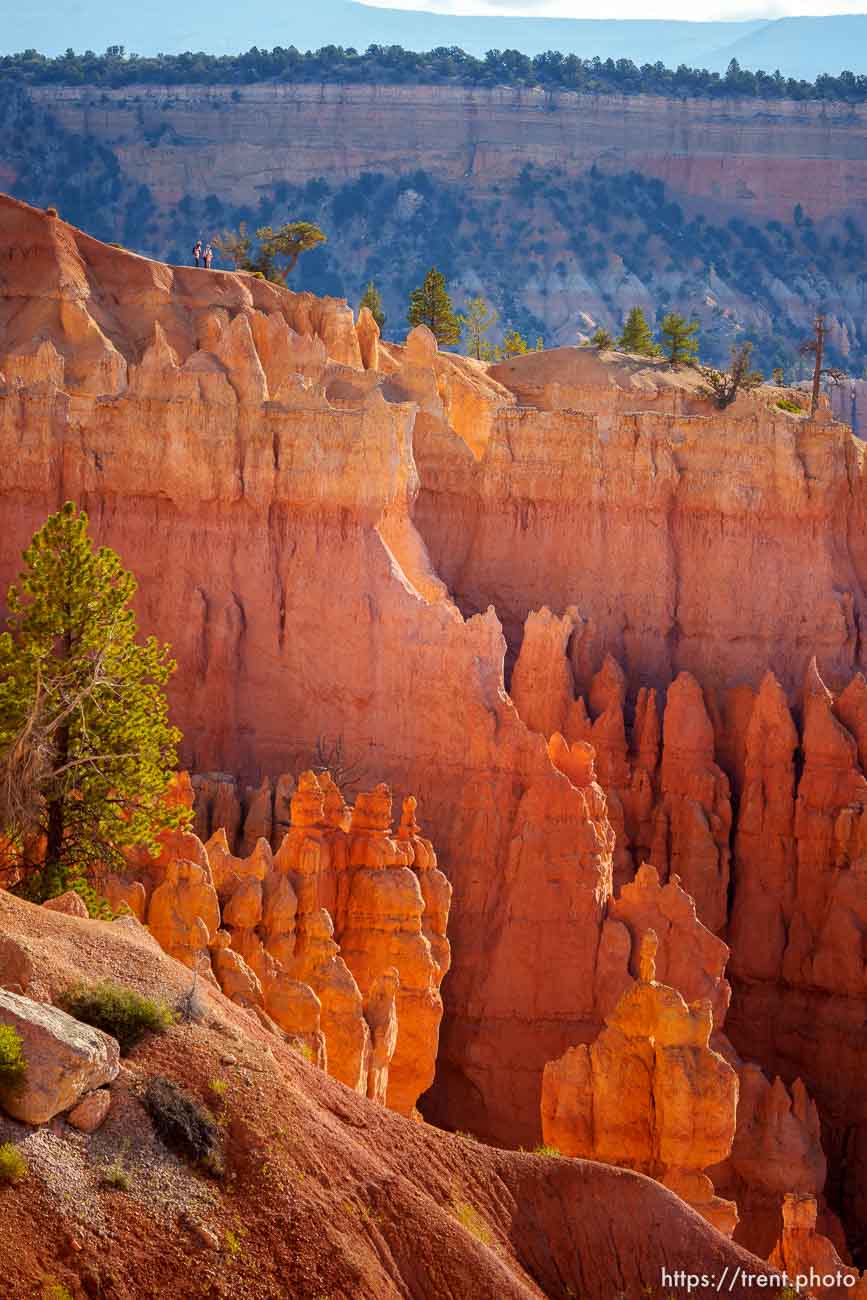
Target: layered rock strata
[(344, 532), (764, 162)]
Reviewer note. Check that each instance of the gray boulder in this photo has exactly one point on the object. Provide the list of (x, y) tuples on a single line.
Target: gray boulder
[(65, 1059)]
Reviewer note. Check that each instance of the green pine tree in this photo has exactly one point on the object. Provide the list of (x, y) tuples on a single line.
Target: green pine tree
[(431, 305), (285, 244), (602, 340), (478, 321), (86, 749), (636, 336), (514, 344), (278, 251), (372, 300), (679, 344)]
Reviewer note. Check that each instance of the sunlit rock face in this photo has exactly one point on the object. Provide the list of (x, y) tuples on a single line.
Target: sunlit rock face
[(348, 539)]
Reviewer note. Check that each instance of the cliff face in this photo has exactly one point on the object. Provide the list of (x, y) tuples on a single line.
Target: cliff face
[(337, 551), (747, 213), (753, 157), (849, 403), (640, 518)]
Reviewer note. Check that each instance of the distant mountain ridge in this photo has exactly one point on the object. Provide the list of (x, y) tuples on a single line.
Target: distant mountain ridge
[(799, 47)]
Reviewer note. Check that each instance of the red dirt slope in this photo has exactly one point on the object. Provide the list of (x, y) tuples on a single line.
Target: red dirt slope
[(326, 1195)]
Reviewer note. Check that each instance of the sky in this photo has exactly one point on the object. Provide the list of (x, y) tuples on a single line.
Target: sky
[(684, 9)]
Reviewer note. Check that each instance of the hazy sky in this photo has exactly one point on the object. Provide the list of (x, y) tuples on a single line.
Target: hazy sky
[(708, 9)]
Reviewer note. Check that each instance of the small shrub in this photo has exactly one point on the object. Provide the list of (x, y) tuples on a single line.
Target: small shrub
[(546, 1150), (233, 1243), (13, 1166), (470, 1219), (118, 1011), (218, 1087), (116, 1176), (51, 212), (184, 1124), (12, 1062), (786, 404)]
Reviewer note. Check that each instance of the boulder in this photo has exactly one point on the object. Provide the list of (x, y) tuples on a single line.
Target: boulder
[(65, 1059), (91, 1112), (70, 904)]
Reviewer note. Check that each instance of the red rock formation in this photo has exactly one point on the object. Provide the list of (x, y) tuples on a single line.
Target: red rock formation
[(380, 1013), (367, 1007), (687, 824), (765, 839), (690, 957), (693, 818), (318, 963), (217, 806), (542, 686), (777, 1150), (809, 1259), (622, 500), (239, 983), (649, 1093), (799, 917), (551, 893), (587, 485), (297, 1010), (382, 931), (184, 913)]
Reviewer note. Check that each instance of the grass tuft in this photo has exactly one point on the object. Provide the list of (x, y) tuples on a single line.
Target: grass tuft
[(55, 1291), (117, 1177), (470, 1219)]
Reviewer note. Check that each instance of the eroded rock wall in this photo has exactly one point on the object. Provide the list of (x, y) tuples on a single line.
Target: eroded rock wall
[(321, 543), (770, 160), (788, 823)]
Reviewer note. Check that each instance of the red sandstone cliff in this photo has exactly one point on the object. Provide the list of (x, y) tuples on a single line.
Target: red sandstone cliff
[(307, 532)]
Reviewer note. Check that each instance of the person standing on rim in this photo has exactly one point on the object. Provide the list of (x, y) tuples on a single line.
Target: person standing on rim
[(209, 257), (197, 252)]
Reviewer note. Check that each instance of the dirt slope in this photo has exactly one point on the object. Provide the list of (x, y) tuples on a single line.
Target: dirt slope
[(326, 1195)]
